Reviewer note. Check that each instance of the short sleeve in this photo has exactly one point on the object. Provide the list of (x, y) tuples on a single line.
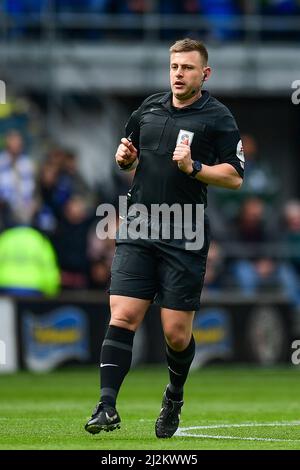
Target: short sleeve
[(228, 144), (132, 127)]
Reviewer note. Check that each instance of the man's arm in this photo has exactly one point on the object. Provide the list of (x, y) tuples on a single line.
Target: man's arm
[(127, 152), (229, 153), (229, 171), (126, 155), (223, 174)]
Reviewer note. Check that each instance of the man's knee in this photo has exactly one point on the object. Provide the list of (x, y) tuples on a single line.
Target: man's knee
[(125, 315), (124, 318), (177, 338), (124, 322)]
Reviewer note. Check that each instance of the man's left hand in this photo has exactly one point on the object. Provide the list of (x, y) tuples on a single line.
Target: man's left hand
[(182, 155)]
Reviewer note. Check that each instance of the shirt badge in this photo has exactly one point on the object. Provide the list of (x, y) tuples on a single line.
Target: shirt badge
[(185, 137)]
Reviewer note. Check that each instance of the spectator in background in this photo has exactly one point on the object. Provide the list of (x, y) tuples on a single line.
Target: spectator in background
[(69, 10), (291, 231), (59, 179), (261, 180), (20, 12), (46, 217), (253, 266), (291, 239), (100, 251), (17, 182), (259, 265), (98, 6), (51, 199), (47, 184), (278, 7), (70, 179), (260, 183), (15, 114), (98, 248), (169, 7), (99, 273), (215, 275), (71, 242), (220, 16), (27, 263), (279, 10), (133, 8)]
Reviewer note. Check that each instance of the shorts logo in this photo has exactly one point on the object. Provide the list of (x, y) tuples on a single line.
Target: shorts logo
[(185, 137), (106, 365), (176, 373), (240, 153)]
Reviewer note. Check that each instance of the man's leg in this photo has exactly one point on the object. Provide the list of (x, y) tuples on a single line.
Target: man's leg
[(180, 350), (132, 288), (126, 315)]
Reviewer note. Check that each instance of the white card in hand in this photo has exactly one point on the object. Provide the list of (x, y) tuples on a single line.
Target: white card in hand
[(185, 137)]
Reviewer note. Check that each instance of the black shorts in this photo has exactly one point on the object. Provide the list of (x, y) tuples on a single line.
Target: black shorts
[(157, 271)]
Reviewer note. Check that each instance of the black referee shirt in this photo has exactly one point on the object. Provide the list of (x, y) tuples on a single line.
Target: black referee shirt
[(155, 126)]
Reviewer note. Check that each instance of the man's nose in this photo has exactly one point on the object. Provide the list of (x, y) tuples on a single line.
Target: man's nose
[(179, 72)]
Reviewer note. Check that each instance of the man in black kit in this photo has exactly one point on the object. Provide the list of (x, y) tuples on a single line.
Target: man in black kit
[(179, 142)]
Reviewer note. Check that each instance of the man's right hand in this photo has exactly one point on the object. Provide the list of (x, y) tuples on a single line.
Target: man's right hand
[(126, 153)]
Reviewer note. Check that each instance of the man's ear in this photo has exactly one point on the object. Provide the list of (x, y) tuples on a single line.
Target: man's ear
[(206, 73)]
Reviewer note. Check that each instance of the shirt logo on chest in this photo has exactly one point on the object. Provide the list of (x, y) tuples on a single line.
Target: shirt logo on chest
[(185, 137)]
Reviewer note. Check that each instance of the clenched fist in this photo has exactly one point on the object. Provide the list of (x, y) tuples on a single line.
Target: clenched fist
[(126, 153), (182, 155)]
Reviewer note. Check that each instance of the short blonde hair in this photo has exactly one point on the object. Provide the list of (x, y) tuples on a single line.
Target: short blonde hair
[(187, 44)]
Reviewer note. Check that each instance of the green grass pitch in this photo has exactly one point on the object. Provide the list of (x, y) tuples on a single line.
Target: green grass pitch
[(226, 407)]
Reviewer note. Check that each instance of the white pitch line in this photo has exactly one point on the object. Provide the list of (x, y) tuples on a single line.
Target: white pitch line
[(239, 438), (182, 432), (242, 425)]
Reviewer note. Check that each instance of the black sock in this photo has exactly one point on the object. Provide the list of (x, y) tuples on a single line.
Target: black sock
[(115, 361), (179, 363)]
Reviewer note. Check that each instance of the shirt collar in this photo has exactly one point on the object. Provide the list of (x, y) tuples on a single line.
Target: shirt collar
[(199, 104)]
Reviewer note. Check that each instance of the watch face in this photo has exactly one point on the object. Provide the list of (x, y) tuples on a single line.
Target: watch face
[(197, 165)]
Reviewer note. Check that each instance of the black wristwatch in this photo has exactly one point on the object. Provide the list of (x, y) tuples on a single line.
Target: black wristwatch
[(127, 166), (197, 166)]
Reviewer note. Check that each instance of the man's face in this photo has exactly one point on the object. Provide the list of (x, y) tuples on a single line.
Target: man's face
[(186, 74), (14, 144)]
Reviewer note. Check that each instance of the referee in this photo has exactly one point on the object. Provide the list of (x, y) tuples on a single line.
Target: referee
[(179, 142)]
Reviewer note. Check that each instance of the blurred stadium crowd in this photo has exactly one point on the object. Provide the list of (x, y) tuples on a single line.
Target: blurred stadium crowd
[(256, 244), (222, 20)]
